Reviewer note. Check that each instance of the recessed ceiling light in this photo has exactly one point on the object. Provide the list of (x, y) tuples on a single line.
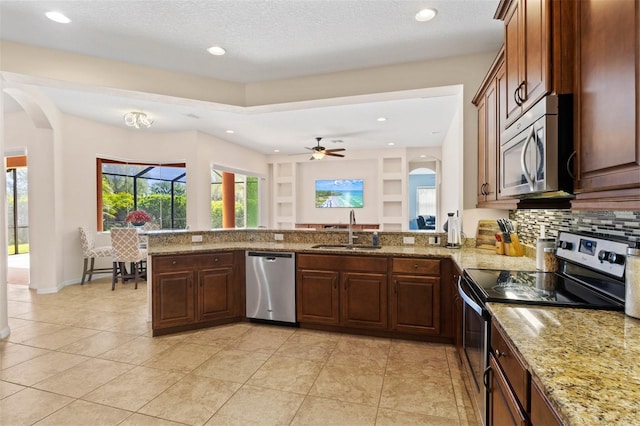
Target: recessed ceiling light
[(216, 50), (426, 15), (57, 17), (423, 156), (229, 131), (276, 150), (391, 143), (381, 119)]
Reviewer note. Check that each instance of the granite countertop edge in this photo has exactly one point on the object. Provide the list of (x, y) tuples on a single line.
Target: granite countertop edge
[(587, 362)]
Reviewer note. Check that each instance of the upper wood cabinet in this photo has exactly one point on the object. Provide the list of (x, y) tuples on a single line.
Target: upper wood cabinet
[(491, 105), (606, 111), (537, 44)]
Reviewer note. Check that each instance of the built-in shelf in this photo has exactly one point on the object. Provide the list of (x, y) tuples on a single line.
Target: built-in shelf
[(393, 193)]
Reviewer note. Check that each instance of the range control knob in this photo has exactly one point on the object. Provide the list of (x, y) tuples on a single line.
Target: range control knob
[(565, 245), (611, 257)]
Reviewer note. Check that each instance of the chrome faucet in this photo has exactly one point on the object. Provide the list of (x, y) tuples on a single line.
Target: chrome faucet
[(352, 221)]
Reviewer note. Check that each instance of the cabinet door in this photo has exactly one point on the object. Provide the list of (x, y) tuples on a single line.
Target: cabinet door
[(527, 51), (482, 150), (216, 294), (542, 413), (513, 58), (364, 300), (318, 296), (607, 94), (415, 304), (536, 27), (503, 405), (173, 299)]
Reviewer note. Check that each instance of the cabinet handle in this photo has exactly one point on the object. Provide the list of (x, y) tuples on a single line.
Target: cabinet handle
[(216, 259), (482, 189), (395, 287), (174, 262), (485, 378), (500, 354), (519, 90), (571, 157), (516, 97)]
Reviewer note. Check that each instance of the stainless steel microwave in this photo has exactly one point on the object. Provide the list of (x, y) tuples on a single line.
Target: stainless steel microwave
[(535, 151)]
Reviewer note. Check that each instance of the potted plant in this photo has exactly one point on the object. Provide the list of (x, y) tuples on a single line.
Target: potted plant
[(138, 217)]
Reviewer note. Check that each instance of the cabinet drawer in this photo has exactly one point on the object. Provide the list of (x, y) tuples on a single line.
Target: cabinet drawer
[(416, 266), (515, 372), (342, 263), (190, 261)]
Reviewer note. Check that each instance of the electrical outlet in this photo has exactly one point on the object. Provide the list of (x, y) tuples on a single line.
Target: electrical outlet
[(278, 237), (196, 238), (408, 240)]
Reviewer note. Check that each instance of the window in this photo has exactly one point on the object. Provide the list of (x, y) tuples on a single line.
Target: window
[(426, 201), (17, 205), (158, 189), (245, 202)]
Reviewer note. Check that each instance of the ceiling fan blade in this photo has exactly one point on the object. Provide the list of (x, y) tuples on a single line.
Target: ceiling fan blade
[(335, 150), (333, 155)]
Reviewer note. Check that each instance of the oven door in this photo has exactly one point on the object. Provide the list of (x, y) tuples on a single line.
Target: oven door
[(475, 342)]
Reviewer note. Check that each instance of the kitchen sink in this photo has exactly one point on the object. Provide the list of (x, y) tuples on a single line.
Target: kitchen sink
[(344, 247)]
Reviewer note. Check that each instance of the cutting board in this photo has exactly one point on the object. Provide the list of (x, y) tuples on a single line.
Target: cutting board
[(485, 238)]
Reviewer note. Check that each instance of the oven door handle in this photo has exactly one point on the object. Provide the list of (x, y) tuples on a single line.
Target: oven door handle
[(468, 300), (523, 158)]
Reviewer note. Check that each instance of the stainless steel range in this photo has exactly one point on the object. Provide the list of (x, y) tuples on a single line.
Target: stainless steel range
[(590, 275)]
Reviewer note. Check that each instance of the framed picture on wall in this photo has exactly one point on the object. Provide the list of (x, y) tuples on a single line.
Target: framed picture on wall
[(339, 193)]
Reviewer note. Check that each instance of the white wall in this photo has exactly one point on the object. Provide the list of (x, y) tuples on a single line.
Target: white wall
[(308, 172), (82, 141)]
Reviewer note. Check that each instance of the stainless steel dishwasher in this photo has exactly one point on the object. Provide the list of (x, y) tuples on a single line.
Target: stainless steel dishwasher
[(271, 286)]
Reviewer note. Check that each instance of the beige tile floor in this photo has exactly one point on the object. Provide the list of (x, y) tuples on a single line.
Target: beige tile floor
[(85, 356)]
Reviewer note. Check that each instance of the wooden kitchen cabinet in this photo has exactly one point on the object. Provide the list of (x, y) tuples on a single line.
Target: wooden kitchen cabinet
[(606, 105), (346, 291), (509, 383), (318, 296), (538, 46), (415, 296), (491, 106), (504, 409), (195, 290), (173, 297), (542, 413)]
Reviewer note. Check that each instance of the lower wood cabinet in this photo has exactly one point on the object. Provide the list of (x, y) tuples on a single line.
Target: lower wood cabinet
[(504, 408), (542, 413), (194, 290), (396, 296), (514, 399), (415, 296), (348, 291)]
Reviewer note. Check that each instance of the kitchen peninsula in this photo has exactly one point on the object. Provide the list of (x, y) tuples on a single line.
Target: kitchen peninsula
[(583, 361)]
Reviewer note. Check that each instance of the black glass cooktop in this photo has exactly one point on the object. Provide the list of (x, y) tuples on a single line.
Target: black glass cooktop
[(538, 288)]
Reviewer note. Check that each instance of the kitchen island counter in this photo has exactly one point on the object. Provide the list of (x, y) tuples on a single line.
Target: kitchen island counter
[(585, 361), (464, 257)]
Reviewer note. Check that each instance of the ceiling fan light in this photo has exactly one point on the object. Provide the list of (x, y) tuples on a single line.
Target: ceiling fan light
[(318, 155)]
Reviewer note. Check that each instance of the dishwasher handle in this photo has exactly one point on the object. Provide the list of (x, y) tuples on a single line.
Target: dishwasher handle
[(269, 255)]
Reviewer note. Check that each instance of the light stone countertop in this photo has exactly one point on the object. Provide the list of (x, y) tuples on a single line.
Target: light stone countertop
[(464, 257), (586, 361)]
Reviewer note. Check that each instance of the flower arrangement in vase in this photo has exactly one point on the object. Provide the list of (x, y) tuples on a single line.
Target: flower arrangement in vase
[(138, 217)]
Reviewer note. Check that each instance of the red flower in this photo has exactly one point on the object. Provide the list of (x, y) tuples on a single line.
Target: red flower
[(138, 216)]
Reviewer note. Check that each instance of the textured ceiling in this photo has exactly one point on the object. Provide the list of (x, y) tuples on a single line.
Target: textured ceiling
[(265, 40)]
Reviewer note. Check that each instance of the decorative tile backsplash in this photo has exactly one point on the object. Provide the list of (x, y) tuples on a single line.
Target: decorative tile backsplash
[(617, 224)]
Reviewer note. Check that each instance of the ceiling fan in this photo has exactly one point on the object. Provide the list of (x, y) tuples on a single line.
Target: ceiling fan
[(320, 151)]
